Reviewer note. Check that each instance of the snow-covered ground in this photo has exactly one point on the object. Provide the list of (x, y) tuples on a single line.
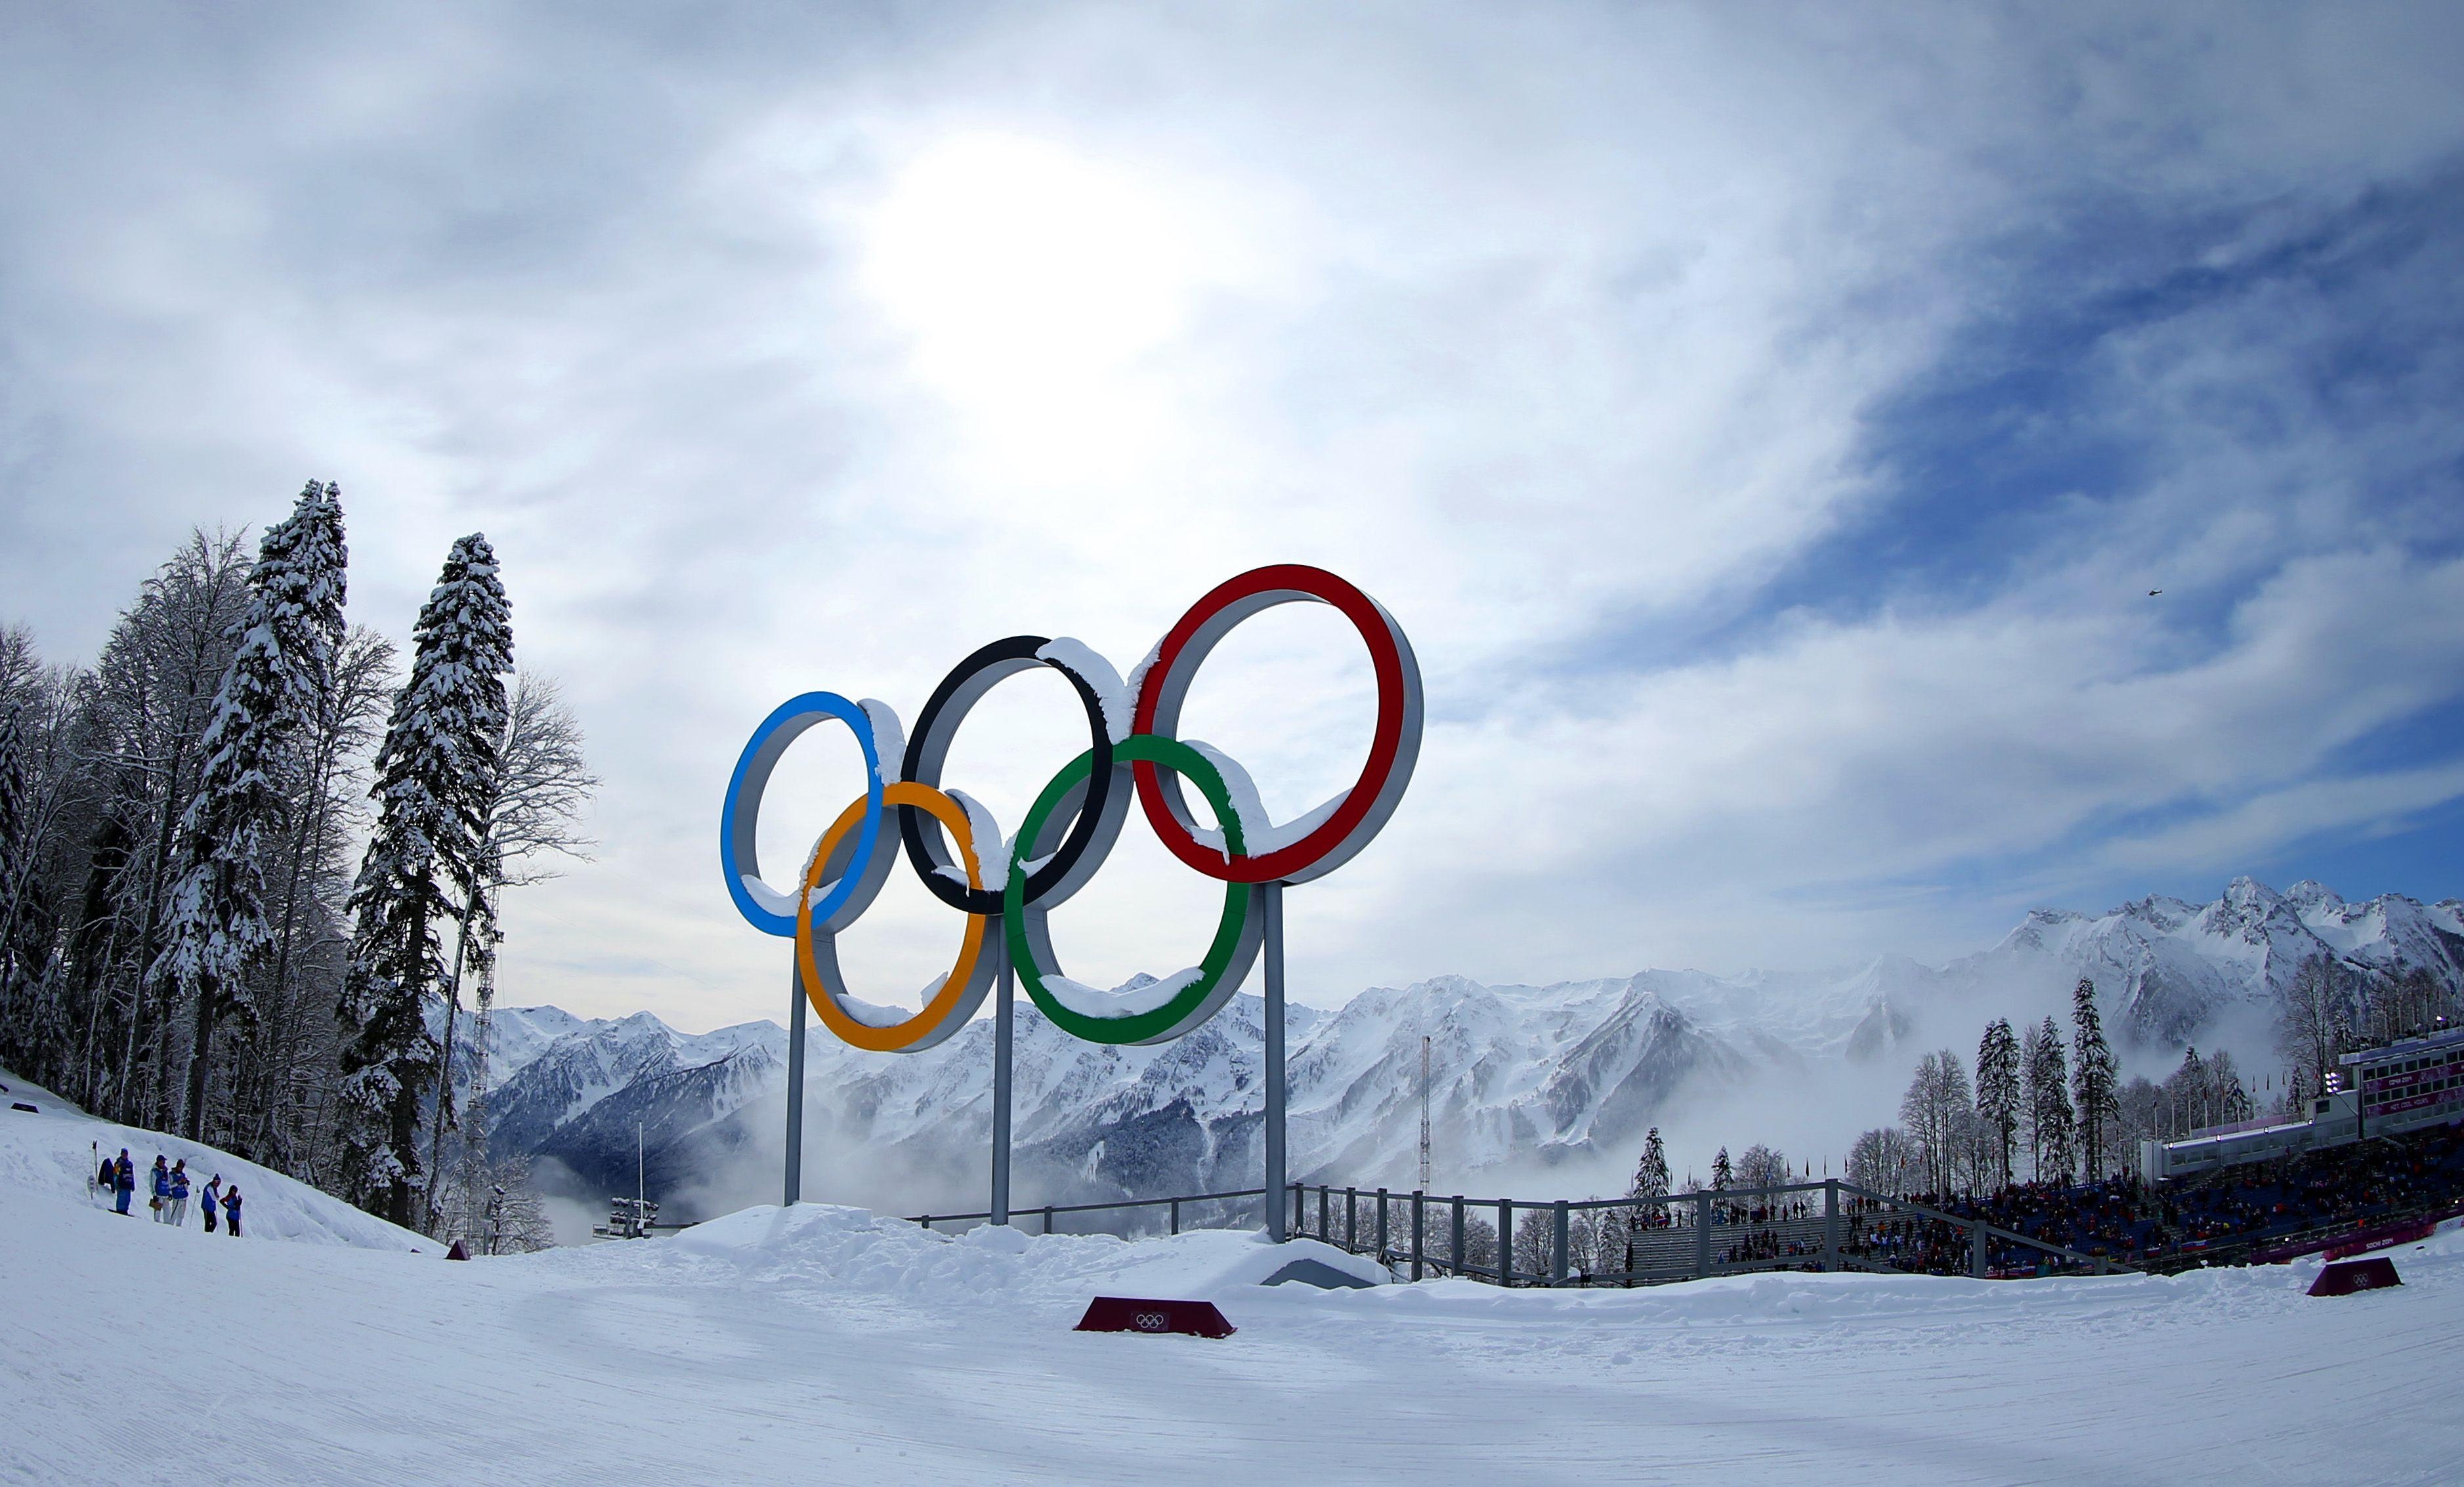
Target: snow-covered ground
[(54, 1151), (822, 1344)]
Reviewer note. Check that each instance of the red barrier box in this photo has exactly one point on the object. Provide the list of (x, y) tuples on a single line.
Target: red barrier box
[(1127, 1314), (2345, 1277)]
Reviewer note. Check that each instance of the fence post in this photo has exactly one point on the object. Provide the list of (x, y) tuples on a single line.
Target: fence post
[(1382, 1226), (1420, 1202), (1352, 1220), (1557, 1247), (1454, 1239), (1325, 1226), (1976, 1248), (1175, 1215), (1300, 1220), (926, 1220), (1047, 1218), (1506, 1241), (1702, 1235), (1831, 1224)]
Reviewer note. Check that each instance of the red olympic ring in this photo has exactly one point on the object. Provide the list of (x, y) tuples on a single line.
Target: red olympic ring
[(1393, 747)]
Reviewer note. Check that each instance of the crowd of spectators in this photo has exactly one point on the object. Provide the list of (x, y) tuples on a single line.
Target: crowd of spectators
[(2216, 1218), (2226, 1214)]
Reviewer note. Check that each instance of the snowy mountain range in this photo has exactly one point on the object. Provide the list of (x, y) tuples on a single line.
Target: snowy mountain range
[(1532, 1076)]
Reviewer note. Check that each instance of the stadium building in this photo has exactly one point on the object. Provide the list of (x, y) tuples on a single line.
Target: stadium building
[(2409, 1084)]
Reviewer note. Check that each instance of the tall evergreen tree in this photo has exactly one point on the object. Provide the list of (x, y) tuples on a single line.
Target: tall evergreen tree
[(1997, 1092), (1720, 1174), (436, 776), (216, 927), (2096, 1081), (2047, 1092), (1651, 1173)]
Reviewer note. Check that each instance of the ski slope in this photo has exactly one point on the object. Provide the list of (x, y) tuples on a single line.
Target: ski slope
[(54, 1151), (822, 1344)]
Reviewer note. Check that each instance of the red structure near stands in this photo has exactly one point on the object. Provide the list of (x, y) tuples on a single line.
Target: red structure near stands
[(1127, 1314), (2347, 1276)]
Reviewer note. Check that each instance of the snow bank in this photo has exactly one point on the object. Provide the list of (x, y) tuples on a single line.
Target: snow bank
[(855, 1251), (55, 1152), (827, 1343)]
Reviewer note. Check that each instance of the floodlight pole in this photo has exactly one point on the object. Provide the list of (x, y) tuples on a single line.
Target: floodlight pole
[(1270, 904), (795, 1183), (1003, 1025)]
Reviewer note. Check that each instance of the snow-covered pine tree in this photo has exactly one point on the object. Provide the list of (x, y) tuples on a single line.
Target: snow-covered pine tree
[(2096, 1082), (436, 774), (216, 928), (1651, 1174), (1997, 1092), (2047, 1078), (1721, 1175), (1619, 1226)]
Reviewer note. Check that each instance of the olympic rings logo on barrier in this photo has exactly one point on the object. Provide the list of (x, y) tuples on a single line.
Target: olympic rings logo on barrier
[(1069, 830)]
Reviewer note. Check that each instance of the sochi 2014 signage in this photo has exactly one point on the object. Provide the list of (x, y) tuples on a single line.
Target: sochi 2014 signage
[(1134, 749)]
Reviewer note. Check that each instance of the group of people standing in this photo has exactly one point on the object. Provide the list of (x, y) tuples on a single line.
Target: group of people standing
[(117, 1178)]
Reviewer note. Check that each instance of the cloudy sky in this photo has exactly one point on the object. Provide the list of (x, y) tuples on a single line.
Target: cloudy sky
[(1767, 421)]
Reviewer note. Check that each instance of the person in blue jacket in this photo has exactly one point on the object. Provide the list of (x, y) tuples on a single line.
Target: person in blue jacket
[(211, 1200), (180, 1194), (125, 1184), (231, 1209), (161, 1204)]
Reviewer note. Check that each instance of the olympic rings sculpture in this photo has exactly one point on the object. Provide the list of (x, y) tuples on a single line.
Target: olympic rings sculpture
[(1008, 890)]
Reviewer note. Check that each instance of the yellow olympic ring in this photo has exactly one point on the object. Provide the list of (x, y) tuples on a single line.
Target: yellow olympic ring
[(960, 991)]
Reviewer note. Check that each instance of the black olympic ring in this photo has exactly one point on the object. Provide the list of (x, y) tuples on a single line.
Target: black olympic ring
[(1055, 878)]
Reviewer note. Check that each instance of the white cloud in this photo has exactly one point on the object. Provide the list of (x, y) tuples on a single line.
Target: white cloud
[(818, 351)]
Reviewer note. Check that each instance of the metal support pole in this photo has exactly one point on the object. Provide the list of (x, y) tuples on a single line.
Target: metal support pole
[(1455, 1238), (1506, 1241), (1351, 1219), (1831, 1224), (1271, 905), (1002, 1022), (794, 1187), (1702, 1235), (1325, 1228), (1047, 1218), (1558, 1246), (1300, 1220), (1382, 1226), (1175, 1215), (1976, 1248), (1420, 1249)]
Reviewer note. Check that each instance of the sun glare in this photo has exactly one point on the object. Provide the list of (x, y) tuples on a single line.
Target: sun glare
[(1023, 272)]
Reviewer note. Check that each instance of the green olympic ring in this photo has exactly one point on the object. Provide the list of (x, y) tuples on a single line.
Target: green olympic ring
[(1206, 988)]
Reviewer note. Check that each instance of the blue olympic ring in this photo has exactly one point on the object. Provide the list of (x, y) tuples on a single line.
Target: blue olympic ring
[(765, 907)]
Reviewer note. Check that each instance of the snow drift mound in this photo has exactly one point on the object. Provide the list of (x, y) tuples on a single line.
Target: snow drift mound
[(52, 1151), (856, 1251)]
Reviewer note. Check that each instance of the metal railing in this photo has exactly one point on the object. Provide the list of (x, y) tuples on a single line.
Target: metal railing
[(1827, 1225), (1171, 1206)]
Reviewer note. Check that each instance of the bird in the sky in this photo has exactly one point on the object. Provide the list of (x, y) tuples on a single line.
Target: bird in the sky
[(2152, 593)]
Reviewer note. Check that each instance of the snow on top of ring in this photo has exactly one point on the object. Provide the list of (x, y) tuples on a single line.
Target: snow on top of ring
[(873, 1015), (1089, 1002), (1081, 661), (1137, 681), (992, 849), (1259, 834), (888, 737)]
